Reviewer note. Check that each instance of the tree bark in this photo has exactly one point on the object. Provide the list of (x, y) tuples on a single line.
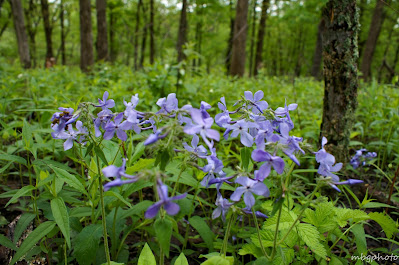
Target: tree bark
[(182, 37), (261, 36), (20, 31), (318, 52), (47, 31), (102, 36), (136, 36), (374, 32), (152, 34), (237, 67), (86, 38), (340, 53)]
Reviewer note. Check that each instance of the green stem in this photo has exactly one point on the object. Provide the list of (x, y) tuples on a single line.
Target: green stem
[(259, 237), (177, 182), (276, 232), (227, 234), (113, 246), (103, 213), (189, 216)]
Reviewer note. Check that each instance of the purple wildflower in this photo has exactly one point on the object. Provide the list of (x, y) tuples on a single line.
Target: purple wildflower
[(257, 105), (202, 126), (168, 104), (264, 170), (241, 127), (249, 187), (117, 126), (106, 104), (223, 206), (194, 148), (117, 173)]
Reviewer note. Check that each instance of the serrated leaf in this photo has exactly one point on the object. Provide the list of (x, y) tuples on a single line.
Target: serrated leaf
[(22, 224), (146, 257), (61, 217), (181, 260), (360, 238), (284, 256), (41, 231), (203, 229), (69, 179), (163, 230), (22, 192), (13, 158), (5, 241), (86, 244), (309, 234), (251, 249), (386, 222)]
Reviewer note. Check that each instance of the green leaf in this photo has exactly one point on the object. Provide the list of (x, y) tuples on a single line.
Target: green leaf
[(251, 249), (203, 229), (61, 217), (163, 230), (27, 135), (360, 238), (89, 149), (119, 197), (13, 158), (86, 244), (146, 257), (69, 179), (100, 154), (4, 241), (245, 157), (218, 260), (138, 152), (386, 222), (309, 234), (181, 260), (22, 224), (22, 192), (41, 231), (137, 209), (140, 165)]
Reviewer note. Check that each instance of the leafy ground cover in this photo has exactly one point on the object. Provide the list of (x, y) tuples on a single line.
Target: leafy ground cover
[(63, 202)]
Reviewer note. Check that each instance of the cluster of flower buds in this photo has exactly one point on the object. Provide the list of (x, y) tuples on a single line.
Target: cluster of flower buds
[(362, 157)]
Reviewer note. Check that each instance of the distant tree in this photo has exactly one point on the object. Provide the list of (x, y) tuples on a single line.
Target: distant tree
[(340, 53), (62, 33), (5, 25), (136, 35), (237, 67), (86, 38), (261, 36), (47, 31), (33, 17), (20, 31), (152, 33), (102, 36), (182, 35), (253, 39), (231, 37), (374, 32), (318, 52), (144, 35)]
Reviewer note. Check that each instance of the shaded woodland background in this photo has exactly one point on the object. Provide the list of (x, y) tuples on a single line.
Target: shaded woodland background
[(270, 37)]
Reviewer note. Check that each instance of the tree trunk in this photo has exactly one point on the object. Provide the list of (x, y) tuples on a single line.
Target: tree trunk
[(152, 34), (361, 41), (375, 28), (261, 36), (47, 31), (22, 38), (112, 44), (136, 36), (318, 52), (63, 55), (32, 23), (340, 53), (230, 41), (182, 37), (237, 67), (102, 37), (251, 53), (144, 39), (86, 38)]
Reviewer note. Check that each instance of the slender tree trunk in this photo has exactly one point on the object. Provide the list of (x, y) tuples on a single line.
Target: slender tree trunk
[(251, 53), (47, 30), (152, 34), (182, 37), (32, 23), (231, 37), (375, 28), (237, 67), (86, 38), (22, 38), (102, 36), (63, 55), (340, 74), (112, 41), (384, 60), (144, 39), (318, 52), (261, 36), (361, 41), (136, 36), (300, 49)]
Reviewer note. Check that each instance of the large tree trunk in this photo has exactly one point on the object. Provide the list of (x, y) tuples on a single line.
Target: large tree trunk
[(152, 34), (231, 37), (237, 67), (375, 28), (86, 38), (182, 37), (22, 38), (47, 31), (136, 36), (102, 37), (318, 52), (261, 36), (340, 53), (63, 55)]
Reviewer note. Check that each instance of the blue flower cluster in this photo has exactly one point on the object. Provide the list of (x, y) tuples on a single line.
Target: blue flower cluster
[(259, 127), (361, 157)]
